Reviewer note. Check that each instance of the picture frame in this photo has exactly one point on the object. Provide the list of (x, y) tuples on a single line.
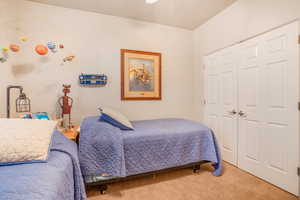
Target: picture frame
[(140, 75)]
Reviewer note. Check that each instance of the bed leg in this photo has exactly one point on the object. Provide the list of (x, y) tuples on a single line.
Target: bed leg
[(196, 168), (102, 189)]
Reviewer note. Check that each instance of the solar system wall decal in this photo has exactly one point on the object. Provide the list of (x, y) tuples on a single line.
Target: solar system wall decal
[(40, 49)]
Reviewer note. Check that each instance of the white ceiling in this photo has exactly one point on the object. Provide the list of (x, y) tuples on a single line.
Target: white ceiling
[(187, 14)]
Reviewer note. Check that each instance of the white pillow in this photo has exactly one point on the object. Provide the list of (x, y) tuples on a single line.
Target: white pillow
[(115, 118), (25, 140)]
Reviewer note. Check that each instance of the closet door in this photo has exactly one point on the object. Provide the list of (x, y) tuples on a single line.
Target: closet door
[(228, 104), (212, 97), (251, 96), (221, 101), (268, 115)]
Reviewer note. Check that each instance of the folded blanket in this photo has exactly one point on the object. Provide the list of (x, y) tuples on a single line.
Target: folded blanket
[(101, 148), (57, 179), (59, 144)]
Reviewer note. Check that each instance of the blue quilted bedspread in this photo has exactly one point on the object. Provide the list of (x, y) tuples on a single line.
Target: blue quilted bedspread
[(153, 145), (58, 179)]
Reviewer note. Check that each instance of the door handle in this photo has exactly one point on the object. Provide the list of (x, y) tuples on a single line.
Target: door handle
[(242, 114), (233, 112)]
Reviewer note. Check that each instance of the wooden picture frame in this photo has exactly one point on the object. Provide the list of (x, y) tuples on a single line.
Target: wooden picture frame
[(140, 75)]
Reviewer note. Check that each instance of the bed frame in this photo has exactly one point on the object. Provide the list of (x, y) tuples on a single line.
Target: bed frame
[(103, 184)]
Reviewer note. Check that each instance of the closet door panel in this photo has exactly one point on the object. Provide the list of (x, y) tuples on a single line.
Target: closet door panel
[(228, 104), (281, 116), (268, 96), (211, 115), (250, 103)]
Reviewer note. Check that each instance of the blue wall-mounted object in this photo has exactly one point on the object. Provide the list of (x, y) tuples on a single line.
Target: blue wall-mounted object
[(93, 79)]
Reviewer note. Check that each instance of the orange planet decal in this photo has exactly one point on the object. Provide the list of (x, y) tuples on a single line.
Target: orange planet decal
[(14, 48), (41, 49)]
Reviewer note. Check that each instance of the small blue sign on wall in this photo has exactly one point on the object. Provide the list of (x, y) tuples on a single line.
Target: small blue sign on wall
[(93, 79)]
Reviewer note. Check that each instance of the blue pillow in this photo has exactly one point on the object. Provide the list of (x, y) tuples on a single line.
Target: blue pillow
[(106, 118)]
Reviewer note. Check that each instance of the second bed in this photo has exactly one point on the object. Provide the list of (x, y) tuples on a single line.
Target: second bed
[(107, 153)]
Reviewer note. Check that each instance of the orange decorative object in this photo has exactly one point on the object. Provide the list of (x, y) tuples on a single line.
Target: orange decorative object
[(69, 58), (66, 103), (14, 48), (41, 49)]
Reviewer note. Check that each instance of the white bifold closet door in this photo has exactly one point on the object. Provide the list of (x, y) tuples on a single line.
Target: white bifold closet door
[(252, 92), (221, 100)]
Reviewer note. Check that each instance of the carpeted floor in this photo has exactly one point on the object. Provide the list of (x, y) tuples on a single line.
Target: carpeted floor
[(235, 184)]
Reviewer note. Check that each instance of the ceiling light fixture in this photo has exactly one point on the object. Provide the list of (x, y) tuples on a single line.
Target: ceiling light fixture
[(151, 1)]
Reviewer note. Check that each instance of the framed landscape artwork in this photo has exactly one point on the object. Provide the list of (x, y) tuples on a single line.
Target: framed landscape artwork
[(140, 75)]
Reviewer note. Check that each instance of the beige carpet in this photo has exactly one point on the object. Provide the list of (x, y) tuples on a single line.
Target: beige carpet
[(235, 184)]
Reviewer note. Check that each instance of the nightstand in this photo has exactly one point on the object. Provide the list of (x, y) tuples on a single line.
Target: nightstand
[(72, 133)]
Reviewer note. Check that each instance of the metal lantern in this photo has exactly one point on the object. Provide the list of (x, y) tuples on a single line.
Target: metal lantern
[(23, 103)]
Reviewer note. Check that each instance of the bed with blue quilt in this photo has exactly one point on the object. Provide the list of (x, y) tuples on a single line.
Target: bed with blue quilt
[(59, 178), (107, 153)]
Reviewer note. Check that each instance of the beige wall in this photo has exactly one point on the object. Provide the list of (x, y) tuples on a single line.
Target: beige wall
[(8, 27), (243, 19), (96, 41)]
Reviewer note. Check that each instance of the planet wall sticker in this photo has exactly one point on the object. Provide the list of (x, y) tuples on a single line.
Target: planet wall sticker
[(52, 46), (14, 48), (41, 49)]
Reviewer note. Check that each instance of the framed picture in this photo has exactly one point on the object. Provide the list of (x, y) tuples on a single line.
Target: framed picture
[(140, 75)]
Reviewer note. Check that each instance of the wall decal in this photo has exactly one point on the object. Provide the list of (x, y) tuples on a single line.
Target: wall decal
[(68, 58), (52, 46), (41, 49), (4, 55), (5, 49), (23, 38), (93, 79), (3, 59), (14, 47)]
